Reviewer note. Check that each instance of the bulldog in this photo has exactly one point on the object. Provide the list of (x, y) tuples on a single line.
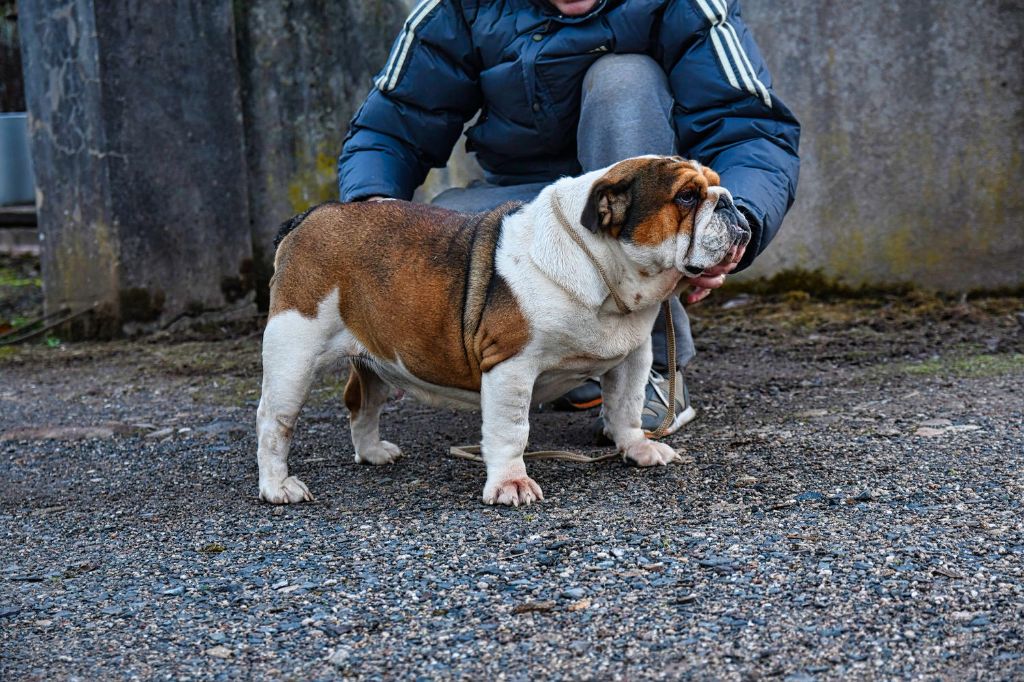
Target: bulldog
[(497, 311)]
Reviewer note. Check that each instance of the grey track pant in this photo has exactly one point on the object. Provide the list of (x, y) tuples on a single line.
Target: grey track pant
[(615, 124)]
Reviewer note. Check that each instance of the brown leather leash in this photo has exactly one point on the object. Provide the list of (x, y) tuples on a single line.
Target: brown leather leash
[(472, 452)]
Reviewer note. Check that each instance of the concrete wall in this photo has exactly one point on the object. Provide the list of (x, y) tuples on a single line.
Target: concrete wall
[(913, 138)]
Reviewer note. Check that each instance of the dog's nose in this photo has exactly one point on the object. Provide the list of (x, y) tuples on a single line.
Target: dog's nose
[(739, 228), (693, 270)]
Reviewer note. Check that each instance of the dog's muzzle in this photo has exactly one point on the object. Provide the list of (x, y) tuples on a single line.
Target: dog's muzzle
[(739, 228)]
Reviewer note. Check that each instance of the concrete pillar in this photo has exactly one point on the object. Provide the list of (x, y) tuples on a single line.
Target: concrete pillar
[(306, 66), (139, 154)]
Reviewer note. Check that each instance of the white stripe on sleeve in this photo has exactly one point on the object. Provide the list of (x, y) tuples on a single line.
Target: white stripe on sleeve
[(389, 78), (721, 32)]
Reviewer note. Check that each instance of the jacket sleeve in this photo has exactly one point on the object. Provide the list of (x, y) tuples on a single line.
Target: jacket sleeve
[(727, 116), (417, 108)]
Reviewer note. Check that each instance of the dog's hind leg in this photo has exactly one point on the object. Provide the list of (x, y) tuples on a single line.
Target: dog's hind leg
[(293, 347), (365, 395)]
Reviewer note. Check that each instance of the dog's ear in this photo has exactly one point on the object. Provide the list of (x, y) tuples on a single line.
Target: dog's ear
[(608, 204)]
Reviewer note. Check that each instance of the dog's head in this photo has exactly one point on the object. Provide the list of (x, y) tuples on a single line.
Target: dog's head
[(666, 212)]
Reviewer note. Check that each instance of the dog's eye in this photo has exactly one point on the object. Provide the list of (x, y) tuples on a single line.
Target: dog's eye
[(688, 197)]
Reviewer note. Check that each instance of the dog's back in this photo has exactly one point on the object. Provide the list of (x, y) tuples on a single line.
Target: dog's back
[(414, 283)]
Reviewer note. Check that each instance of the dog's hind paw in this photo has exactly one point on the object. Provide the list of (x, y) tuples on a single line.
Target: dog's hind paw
[(289, 491), (379, 453), (649, 453), (514, 491)]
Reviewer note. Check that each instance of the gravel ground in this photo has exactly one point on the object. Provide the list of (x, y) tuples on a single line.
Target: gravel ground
[(854, 510)]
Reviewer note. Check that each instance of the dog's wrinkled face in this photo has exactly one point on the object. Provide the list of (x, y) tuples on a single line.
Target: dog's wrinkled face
[(666, 212)]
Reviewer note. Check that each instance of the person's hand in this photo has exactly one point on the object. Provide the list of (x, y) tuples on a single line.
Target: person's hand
[(714, 277)]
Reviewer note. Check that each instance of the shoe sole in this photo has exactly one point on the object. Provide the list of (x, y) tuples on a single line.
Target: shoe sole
[(683, 418), (589, 404)]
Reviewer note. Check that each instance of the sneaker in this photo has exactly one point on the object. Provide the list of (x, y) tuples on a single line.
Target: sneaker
[(657, 406), (583, 397)]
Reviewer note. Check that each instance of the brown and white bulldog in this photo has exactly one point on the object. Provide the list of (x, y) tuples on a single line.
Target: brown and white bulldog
[(496, 311)]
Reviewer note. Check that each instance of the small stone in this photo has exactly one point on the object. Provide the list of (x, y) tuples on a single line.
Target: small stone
[(278, 511), (580, 605), (866, 495), (810, 496), (160, 433), (339, 657), (574, 593), (738, 302), (929, 432), (173, 591), (219, 651), (810, 414), (938, 423), (744, 481)]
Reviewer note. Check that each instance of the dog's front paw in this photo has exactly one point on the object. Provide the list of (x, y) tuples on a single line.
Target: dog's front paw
[(649, 453), (289, 491), (379, 453), (513, 491)]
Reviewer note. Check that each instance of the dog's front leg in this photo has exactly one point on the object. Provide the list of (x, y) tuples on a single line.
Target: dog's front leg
[(505, 394), (623, 390)]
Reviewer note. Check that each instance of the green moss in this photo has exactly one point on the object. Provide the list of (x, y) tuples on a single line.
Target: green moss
[(138, 305), (316, 182), (11, 278), (969, 366), (815, 283)]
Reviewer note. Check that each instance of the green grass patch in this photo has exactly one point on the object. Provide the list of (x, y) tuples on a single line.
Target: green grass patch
[(968, 366), (10, 278)]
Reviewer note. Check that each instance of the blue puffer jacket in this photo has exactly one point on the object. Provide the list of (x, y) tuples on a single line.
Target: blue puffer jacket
[(521, 65)]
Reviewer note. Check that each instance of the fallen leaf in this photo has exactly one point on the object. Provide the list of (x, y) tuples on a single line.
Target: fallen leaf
[(533, 606)]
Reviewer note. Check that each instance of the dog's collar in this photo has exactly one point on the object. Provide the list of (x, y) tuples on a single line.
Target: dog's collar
[(564, 222)]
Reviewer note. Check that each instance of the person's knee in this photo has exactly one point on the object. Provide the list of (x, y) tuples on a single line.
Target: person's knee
[(621, 76)]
